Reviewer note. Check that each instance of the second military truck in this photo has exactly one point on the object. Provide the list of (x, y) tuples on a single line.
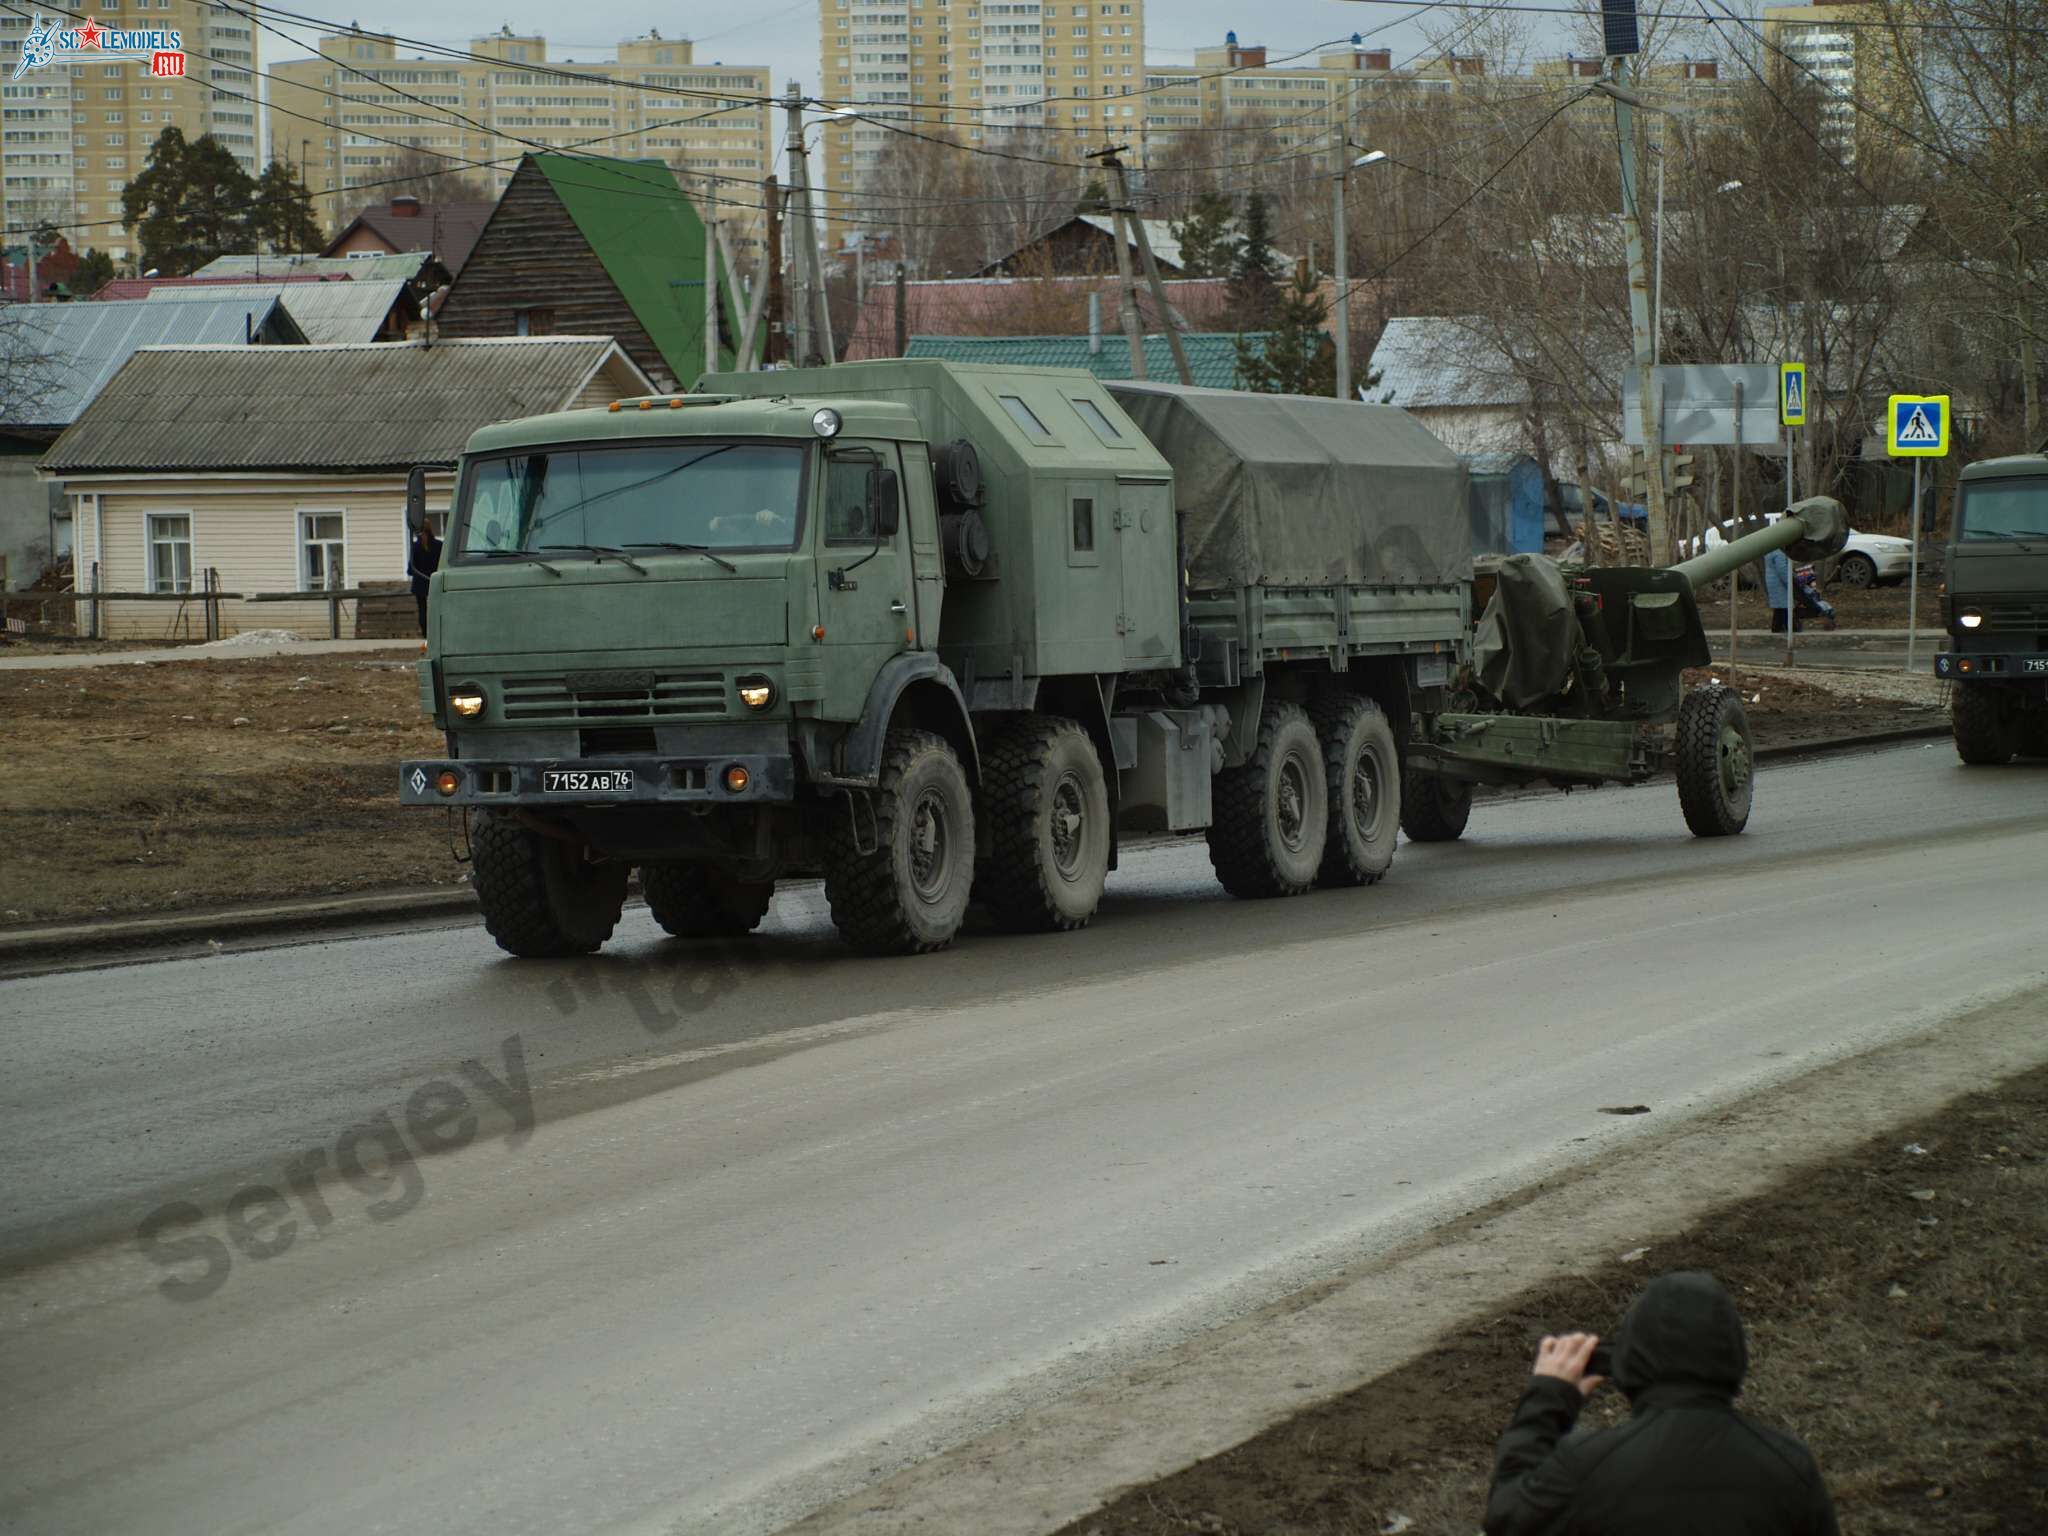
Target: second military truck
[(935, 633)]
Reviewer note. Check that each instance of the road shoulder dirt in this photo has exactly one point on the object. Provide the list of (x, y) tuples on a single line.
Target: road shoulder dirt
[(1415, 1359)]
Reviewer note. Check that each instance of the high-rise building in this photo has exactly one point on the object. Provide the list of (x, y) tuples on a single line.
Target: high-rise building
[(1839, 49), (977, 71), (347, 117), (75, 130)]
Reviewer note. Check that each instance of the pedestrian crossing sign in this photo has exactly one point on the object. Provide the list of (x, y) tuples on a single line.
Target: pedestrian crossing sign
[(1792, 394), (1918, 426)]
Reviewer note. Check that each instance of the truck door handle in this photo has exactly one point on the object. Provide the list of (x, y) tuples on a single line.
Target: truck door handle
[(897, 607)]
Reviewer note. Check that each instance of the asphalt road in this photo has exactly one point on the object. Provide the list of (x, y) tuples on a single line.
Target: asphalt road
[(739, 1227)]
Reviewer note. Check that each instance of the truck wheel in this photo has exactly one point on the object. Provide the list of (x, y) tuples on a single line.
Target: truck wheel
[(907, 892), (1981, 721), (1716, 762), (2032, 732), (541, 897), (1272, 814), (692, 901), (1362, 773), (1043, 830), (1433, 809)]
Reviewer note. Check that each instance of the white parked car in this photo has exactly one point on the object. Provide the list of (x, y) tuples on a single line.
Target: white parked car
[(1866, 560)]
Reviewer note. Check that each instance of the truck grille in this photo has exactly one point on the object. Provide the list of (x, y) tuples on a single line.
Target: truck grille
[(2009, 615), (618, 696)]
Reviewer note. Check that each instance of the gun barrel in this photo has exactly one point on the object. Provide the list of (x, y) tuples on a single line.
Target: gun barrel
[(1812, 530)]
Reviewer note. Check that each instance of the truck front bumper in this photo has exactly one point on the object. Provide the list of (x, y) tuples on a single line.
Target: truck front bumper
[(769, 779), (1993, 666)]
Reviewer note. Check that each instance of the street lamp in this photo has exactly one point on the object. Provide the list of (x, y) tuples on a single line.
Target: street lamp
[(1371, 157)]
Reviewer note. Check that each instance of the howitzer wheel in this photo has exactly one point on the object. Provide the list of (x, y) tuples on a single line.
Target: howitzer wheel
[(541, 898), (1980, 718), (691, 901), (1434, 809), (1272, 812), (1716, 762), (1362, 768)]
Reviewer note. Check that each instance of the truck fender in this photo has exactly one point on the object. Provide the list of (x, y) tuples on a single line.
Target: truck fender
[(938, 706)]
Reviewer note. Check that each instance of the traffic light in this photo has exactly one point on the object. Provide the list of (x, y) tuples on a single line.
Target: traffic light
[(1681, 469)]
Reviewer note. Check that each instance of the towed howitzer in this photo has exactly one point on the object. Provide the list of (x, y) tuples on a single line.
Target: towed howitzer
[(1576, 671)]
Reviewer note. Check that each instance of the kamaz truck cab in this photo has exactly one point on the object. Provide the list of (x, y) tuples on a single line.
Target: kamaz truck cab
[(1995, 607)]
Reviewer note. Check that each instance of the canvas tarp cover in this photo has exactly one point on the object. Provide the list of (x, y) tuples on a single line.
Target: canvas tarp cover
[(1284, 490), (1523, 648)]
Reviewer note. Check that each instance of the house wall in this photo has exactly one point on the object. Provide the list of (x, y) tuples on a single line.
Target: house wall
[(247, 531), (25, 506), (532, 257), (1475, 428), (363, 238)]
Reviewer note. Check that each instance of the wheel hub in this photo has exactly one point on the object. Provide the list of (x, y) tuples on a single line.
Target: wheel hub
[(930, 846), (1733, 755), (1069, 821), (1292, 810), (1365, 789)]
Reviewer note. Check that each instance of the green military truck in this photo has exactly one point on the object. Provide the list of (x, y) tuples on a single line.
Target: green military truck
[(1995, 607), (932, 632)]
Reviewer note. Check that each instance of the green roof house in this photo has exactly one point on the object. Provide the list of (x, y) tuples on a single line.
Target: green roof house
[(1212, 355), (581, 245)]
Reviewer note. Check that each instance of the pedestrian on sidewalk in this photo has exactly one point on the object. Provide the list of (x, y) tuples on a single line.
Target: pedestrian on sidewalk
[(423, 558), (1685, 1464)]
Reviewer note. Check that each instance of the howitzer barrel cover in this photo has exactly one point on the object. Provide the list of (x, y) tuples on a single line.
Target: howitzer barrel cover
[(1827, 528)]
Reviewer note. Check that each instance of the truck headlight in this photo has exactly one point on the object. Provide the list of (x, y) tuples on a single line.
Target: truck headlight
[(467, 700), (1969, 618), (756, 692), (825, 421)]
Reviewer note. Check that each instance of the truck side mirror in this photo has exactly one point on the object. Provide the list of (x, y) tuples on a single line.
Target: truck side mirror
[(416, 498), (884, 503)]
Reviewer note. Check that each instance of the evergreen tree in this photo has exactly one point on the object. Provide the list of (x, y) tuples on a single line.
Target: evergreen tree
[(95, 271), (1207, 237), (1299, 358), (189, 204), (1253, 290), (1094, 197), (283, 219)]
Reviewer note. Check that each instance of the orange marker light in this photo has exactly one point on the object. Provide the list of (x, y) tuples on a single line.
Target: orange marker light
[(737, 779), (676, 403), (446, 781), (817, 632), (646, 405), (613, 406)]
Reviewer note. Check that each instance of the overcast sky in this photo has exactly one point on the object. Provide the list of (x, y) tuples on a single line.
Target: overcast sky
[(784, 33)]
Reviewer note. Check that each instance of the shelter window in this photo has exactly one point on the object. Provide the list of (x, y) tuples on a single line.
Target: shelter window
[(1103, 427), (1084, 524), (1024, 416), (170, 552)]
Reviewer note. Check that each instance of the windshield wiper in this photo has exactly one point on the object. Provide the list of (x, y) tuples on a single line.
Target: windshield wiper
[(518, 554), (601, 550), (689, 549)]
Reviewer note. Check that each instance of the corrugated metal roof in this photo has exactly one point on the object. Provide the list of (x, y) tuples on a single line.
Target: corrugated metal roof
[(1164, 242), (1212, 357), (380, 405), (62, 355), (362, 268), (1440, 360), (326, 312)]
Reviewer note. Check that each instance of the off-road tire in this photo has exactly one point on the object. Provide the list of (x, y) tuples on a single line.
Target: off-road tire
[(541, 898), (1271, 814), (1434, 809), (1854, 570), (1981, 720), (1716, 762), (1362, 776), (692, 901), (892, 899), (1042, 833)]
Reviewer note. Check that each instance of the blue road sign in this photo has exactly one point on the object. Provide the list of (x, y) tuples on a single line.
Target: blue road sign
[(1918, 426), (1792, 394)]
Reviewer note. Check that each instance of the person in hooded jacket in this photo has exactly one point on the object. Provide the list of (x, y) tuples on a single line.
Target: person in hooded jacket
[(1685, 1464)]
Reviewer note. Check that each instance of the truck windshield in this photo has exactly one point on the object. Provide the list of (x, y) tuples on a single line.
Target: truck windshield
[(710, 494), (2005, 509)]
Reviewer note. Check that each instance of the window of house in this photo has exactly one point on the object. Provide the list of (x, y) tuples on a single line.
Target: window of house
[(170, 551), (323, 551), (533, 322)]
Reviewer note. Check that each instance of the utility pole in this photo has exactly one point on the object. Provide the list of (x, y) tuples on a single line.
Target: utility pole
[(798, 231), (1127, 209), (1134, 333), (1342, 266), (902, 315), (710, 274), (814, 322), (775, 348), (1625, 104)]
